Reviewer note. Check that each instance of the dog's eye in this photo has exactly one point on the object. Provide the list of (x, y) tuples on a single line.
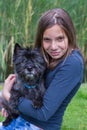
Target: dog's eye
[(27, 56), (24, 59)]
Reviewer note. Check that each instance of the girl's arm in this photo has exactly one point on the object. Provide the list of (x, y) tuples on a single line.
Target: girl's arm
[(66, 79)]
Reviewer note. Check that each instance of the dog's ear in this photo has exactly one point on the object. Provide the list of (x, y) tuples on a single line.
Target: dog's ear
[(17, 47)]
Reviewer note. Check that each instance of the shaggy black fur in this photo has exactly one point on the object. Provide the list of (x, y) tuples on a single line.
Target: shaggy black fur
[(29, 67)]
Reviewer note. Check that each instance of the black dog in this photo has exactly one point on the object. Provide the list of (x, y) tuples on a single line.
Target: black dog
[(29, 67)]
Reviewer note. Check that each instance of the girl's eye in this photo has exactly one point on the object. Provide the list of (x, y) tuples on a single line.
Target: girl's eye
[(60, 38), (46, 40)]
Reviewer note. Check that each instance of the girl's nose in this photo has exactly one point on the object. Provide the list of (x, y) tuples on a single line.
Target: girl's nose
[(53, 45)]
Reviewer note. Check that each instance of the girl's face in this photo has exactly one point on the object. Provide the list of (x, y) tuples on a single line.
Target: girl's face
[(55, 42)]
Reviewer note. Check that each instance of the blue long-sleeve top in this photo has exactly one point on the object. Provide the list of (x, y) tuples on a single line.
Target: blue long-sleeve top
[(62, 84)]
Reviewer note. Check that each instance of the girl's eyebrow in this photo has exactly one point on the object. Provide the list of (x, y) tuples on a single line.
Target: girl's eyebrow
[(59, 36), (46, 38)]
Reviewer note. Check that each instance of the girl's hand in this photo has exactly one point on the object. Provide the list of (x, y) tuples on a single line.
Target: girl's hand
[(4, 113), (2, 110), (8, 85)]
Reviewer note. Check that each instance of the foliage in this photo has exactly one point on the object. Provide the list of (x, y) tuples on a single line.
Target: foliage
[(18, 22)]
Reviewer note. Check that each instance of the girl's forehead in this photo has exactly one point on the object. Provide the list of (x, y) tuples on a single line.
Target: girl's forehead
[(53, 31)]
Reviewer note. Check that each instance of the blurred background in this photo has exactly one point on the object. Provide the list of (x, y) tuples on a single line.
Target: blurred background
[(18, 23)]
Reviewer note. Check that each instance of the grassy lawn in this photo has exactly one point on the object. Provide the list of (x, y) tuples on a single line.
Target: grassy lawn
[(75, 117)]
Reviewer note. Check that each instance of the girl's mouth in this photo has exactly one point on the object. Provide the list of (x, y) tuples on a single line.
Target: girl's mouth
[(55, 53)]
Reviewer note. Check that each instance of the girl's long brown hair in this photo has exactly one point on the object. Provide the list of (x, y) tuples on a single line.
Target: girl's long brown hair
[(48, 19)]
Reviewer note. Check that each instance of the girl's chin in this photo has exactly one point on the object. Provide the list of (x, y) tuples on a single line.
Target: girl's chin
[(55, 57)]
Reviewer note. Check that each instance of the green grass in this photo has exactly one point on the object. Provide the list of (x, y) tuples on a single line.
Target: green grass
[(75, 117)]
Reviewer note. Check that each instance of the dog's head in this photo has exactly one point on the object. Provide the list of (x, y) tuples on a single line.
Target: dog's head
[(29, 64)]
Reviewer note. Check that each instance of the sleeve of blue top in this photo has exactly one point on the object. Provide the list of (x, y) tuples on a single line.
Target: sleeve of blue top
[(67, 77)]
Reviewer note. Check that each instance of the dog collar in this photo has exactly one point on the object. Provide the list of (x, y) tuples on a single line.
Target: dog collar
[(28, 86)]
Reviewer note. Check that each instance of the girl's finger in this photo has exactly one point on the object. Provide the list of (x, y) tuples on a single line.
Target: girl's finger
[(4, 112), (10, 77)]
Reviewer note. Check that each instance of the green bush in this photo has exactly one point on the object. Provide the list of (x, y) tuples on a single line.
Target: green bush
[(18, 22)]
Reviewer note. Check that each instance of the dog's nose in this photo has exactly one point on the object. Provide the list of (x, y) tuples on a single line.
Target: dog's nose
[(29, 68)]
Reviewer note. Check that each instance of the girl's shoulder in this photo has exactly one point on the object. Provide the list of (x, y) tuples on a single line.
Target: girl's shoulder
[(75, 57), (73, 61)]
